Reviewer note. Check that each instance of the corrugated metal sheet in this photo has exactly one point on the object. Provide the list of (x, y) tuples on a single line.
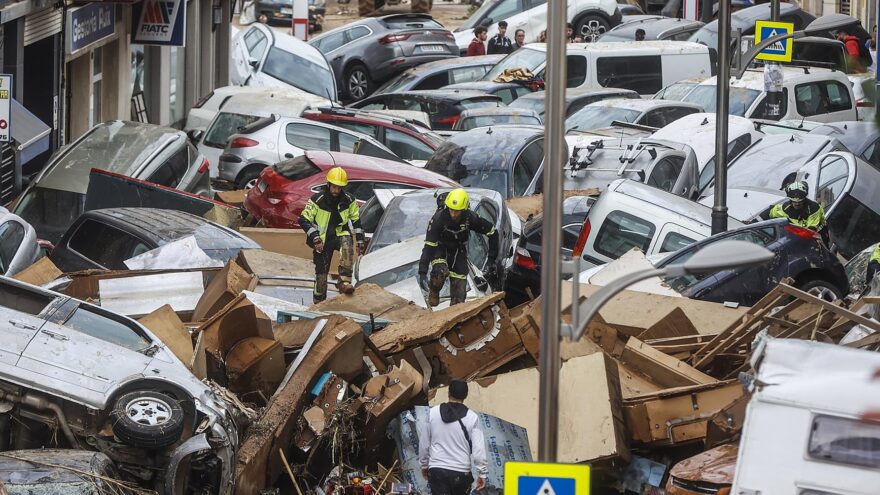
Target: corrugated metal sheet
[(8, 190), (42, 25)]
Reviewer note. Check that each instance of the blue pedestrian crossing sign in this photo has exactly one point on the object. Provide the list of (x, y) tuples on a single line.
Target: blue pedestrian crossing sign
[(779, 51), (535, 478)]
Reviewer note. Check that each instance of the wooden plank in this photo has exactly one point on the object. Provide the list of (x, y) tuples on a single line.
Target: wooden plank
[(662, 369), (844, 313), (865, 342)]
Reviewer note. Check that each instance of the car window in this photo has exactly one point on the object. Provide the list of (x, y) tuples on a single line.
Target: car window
[(760, 237), (478, 249), (506, 95), (570, 235), (643, 74), (406, 146), (768, 109), (808, 98), (172, 171), (479, 103), (526, 166), (361, 190), (577, 70), (299, 72), (832, 178), (357, 33), (256, 43), (330, 42), (845, 441), (105, 245), (308, 137), (735, 148), (225, 125), (504, 9), (298, 168), (397, 103), (837, 96), (371, 213), (435, 81), (872, 154), (368, 129), (853, 226), (675, 241), (665, 173), (680, 36), (620, 232), (89, 322), (347, 142), (11, 236)]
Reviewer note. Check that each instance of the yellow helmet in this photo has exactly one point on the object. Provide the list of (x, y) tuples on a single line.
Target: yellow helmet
[(337, 176), (457, 199)]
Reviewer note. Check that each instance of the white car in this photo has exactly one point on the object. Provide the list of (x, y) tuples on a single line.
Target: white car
[(590, 18), (817, 94), (18, 243), (651, 113), (203, 112), (396, 269), (244, 109), (263, 57)]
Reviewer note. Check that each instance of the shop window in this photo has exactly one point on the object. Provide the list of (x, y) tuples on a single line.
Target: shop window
[(95, 112)]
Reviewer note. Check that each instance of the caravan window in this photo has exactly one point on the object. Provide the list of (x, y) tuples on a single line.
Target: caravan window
[(846, 441)]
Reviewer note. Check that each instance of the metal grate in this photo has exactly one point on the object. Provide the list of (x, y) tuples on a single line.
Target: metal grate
[(42, 25)]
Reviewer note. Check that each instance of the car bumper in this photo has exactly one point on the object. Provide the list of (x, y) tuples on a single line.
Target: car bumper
[(393, 66), (281, 216), (229, 166)]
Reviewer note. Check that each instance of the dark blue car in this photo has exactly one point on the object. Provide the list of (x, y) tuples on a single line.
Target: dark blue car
[(799, 254)]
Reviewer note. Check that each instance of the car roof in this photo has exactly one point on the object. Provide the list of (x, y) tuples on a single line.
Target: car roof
[(482, 85), (651, 46), (164, 226), (754, 78), (361, 165), (100, 148), (284, 103), (447, 94), (856, 136), (367, 116), (641, 105), (479, 112), (467, 149), (698, 131), (784, 153), (449, 63), (651, 197), (572, 94), (653, 27)]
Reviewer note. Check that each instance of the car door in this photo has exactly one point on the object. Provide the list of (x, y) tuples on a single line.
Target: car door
[(23, 320), (251, 49), (74, 347), (170, 172), (824, 101), (331, 46)]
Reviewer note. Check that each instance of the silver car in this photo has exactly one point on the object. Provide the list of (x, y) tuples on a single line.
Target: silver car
[(153, 153), (18, 244), (107, 383), (274, 139)]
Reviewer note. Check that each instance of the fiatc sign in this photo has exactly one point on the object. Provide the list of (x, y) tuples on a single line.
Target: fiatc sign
[(159, 22)]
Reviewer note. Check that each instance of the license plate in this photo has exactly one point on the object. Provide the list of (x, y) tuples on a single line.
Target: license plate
[(431, 48), (261, 186), (287, 11)]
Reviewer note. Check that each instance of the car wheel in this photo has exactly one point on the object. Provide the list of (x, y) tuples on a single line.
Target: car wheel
[(147, 419), (358, 84), (821, 289), (591, 27), (248, 179)]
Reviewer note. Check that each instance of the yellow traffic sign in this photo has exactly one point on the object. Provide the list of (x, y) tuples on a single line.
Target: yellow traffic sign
[(779, 51), (536, 478)]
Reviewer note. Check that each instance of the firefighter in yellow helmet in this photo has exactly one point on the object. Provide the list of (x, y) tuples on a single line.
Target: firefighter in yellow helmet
[(331, 218), (801, 211), (445, 249)]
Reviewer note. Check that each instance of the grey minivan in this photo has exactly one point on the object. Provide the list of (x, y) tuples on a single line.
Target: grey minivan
[(153, 153)]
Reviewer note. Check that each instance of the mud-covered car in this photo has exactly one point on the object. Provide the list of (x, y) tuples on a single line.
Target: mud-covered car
[(74, 375)]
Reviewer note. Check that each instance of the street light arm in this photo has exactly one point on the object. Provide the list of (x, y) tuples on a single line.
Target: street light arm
[(755, 50), (591, 306)]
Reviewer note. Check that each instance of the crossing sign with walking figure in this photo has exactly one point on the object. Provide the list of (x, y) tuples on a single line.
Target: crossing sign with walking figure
[(535, 478), (779, 51)]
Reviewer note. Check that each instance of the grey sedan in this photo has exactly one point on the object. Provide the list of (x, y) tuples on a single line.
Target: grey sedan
[(370, 51)]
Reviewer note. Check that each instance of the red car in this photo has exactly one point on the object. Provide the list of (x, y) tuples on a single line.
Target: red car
[(406, 139), (283, 189)]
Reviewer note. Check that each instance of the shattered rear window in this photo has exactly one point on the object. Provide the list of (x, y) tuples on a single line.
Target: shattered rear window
[(298, 168)]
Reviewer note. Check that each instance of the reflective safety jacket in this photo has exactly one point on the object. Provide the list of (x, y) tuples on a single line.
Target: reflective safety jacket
[(315, 218), (446, 235), (811, 216)]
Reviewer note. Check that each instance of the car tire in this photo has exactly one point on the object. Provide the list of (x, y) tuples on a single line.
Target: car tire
[(822, 289), (248, 178), (149, 420), (590, 27), (358, 84), (366, 8), (421, 6)]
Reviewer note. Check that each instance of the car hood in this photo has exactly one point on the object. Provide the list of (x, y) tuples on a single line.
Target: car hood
[(382, 260), (745, 204)]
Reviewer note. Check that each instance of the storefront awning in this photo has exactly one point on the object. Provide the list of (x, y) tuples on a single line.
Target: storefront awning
[(31, 135)]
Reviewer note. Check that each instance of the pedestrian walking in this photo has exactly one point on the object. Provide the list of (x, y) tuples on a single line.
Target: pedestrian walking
[(500, 43), (519, 39), (450, 443), (800, 210), (331, 218), (476, 47), (446, 246)]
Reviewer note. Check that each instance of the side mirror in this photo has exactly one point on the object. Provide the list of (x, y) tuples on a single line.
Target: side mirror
[(195, 135), (254, 63)]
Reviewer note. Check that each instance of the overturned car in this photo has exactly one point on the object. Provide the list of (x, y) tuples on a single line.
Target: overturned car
[(74, 375)]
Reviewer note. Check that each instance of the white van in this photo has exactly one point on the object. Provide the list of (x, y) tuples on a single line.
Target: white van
[(803, 433), (241, 110), (645, 67), (630, 214)]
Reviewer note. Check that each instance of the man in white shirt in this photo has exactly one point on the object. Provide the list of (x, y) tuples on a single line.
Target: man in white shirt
[(450, 443)]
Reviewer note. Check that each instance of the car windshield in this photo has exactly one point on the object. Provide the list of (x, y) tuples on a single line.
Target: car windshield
[(675, 91), (495, 180), (50, 211), (487, 120), (299, 72), (707, 35), (400, 82), (524, 58), (741, 99), (591, 117), (479, 15), (536, 104), (225, 125), (399, 274), (405, 217)]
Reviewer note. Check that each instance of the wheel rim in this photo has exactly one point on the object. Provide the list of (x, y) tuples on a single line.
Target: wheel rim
[(148, 411), (263, 18), (592, 29), (251, 183), (823, 293), (357, 84)]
